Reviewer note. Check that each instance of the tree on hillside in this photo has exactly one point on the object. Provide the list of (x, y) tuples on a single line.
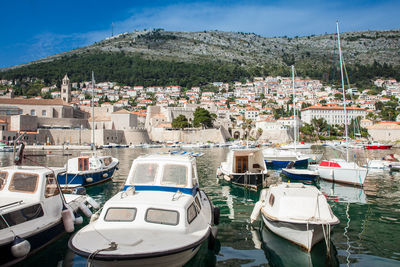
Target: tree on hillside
[(203, 117), (180, 122)]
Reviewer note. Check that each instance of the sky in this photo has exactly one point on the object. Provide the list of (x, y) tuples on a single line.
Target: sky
[(34, 29)]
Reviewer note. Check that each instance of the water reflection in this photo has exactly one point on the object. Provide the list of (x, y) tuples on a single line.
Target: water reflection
[(281, 252), (343, 193)]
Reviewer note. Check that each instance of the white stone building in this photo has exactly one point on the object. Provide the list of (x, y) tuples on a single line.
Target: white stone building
[(332, 114)]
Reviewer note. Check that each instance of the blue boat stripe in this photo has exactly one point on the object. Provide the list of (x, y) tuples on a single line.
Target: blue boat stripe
[(189, 191)]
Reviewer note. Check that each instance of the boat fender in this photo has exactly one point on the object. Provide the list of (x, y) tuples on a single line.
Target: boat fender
[(68, 220), (92, 202), (216, 212), (263, 195), (89, 179), (20, 247), (85, 210), (256, 211), (80, 190), (105, 175), (78, 219)]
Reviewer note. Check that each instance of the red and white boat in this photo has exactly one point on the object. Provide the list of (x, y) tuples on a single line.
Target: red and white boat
[(376, 145), (342, 171)]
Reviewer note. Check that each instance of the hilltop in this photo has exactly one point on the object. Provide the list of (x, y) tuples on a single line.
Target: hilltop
[(237, 55)]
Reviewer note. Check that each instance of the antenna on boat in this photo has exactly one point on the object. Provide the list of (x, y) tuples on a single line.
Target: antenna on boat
[(344, 93)]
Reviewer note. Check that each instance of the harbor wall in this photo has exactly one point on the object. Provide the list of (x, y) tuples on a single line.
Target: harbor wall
[(188, 135), (102, 136)]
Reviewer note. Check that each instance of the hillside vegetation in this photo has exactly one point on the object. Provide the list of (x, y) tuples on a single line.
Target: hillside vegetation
[(159, 57)]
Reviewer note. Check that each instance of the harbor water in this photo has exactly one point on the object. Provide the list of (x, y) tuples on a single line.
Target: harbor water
[(368, 233)]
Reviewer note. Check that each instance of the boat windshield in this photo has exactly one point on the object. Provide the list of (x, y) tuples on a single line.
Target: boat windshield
[(145, 173), (24, 182), (174, 174), (3, 179)]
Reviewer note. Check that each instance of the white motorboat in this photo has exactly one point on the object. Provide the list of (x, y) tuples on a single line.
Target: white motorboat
[(277, 159), (160, 218), (300, 145), (87, 170), (296, 212), (33, 211), (342, 171), (378, 165), (244, 167)]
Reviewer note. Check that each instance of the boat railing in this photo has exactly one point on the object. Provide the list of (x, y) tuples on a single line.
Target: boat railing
[(11, 204)]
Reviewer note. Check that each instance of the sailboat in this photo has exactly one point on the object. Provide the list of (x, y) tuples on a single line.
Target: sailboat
[(87, 170), (340, 170), (295, 145)]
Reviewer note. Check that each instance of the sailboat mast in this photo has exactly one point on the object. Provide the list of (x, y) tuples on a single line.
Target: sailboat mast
[(94, 143), (294, 111), (344, 94)]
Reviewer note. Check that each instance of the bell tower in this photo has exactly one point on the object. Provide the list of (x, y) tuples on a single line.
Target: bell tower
[(66, 89)]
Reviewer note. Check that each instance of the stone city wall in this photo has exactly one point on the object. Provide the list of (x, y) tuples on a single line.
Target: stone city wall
[(188, 136)]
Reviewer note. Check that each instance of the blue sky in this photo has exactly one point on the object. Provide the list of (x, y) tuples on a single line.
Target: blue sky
[(33, 29)]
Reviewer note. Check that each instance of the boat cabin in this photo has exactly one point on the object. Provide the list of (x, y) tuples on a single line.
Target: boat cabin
[(87, 163), (27, 193), (246, 160), (176, 171)]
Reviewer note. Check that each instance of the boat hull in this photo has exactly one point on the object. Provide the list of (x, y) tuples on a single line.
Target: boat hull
[(378, 147), (299, 176), (37, 241), (279, 164), (87, 178), (173, 259), (301, 234), (251, 180), (343, 175)]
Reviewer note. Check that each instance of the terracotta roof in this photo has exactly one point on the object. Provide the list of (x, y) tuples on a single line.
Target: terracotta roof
[(31, 101), (385, 125)]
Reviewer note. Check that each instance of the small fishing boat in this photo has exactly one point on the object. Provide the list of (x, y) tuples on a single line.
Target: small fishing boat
[(299, 174), (160, 218), (300, 145), (6, 148), (33, 210), (342, 171), (278, 159), (88, 170), (377, 165), (296, 212), (377, 145), (244, 167)]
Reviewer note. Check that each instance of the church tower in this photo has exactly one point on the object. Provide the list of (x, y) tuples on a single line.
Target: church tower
[(66, 89)]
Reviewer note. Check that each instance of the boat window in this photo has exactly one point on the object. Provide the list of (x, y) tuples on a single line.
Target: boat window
[(271, 200), (83, 164), (107, 161), (170, 217), (174, 174), (145, 173), (198, 205), (191, 213), (24, 182), (51, 186), (120, 215), (21, 216), (3, 179)]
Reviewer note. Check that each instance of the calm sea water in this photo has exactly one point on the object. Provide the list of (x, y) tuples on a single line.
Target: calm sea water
[(368, 233)]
